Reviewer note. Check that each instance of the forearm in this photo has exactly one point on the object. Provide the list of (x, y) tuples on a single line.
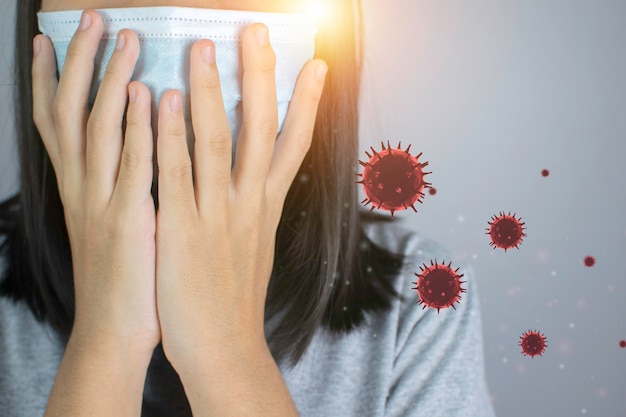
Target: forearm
[(249, 385), (98, 378)]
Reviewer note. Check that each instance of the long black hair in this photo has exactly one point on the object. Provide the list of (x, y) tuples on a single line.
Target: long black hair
[(327, 272)]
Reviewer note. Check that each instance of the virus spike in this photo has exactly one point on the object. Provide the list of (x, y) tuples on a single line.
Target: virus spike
[(375, 153), (393, 179), (388, 148), (532, 343), (438, 285), (506, 231)]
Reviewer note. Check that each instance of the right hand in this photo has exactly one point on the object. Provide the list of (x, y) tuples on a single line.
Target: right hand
[(105, 190)]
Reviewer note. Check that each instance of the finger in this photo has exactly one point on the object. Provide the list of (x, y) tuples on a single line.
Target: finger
[(104, 128), (136, 170), (176, 194), (295, 138), (255, 144), (70, 107), (45, 85), (213, 142)]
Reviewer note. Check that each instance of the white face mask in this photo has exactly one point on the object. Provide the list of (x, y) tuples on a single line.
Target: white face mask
[(166, 35)]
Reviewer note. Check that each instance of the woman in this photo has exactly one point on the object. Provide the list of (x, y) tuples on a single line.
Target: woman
[(269, 292)]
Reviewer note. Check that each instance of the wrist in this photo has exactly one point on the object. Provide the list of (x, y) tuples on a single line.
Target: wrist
[(120, 356), (201, 359), (238, 384), (98, 376), (109, 341)]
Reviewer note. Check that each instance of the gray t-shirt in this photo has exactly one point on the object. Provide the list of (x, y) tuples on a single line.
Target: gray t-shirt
[(408, 362)]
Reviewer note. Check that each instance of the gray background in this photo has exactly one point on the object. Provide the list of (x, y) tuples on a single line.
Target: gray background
[(492, 92)]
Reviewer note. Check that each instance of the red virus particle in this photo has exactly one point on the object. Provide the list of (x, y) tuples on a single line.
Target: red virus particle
[(506, 231), (432, 191), (545, 172), (532, 343), (589, 261), (622, 344), (438, 285), (393, 179)]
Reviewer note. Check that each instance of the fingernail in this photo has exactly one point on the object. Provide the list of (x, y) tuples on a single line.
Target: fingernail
[(320, 73), (133, 94), (121, 42), (85, 21), (175, 102), (208, 54), (36, 46), (262, 37)]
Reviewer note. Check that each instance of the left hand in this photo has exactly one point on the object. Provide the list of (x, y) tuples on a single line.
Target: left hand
[(216, 231)]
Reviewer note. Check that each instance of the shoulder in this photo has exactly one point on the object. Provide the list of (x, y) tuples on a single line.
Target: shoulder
[(436, 352), (31, 354), (410, 316)]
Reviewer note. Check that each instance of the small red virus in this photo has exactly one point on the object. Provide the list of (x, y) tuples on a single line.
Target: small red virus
[(432, 191), (393, 179), (545, 172), (532, 343), (589, 261), (506, 231), (438, 285), (622, 344)]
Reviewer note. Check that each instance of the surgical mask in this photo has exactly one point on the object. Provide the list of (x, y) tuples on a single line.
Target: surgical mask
[(166, 35)]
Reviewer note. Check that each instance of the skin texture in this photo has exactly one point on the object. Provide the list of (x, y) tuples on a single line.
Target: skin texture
[(193, 274)]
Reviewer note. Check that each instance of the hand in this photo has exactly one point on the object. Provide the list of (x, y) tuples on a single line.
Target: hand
[(105, 190), (216, 231)]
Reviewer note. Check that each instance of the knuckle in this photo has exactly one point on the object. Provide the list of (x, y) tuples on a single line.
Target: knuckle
[(177, 129), (133, 160), (303, 142), (96, 126), (39, 116), (134, 122), (62, 111), (74, 49), (211, 84), (267, 63), (179, 171), (219, 143), (269, 127), (40, 91), (112, 72), (266, 128)]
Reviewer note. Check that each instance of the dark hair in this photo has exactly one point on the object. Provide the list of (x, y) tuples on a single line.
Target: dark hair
[(327, 272)]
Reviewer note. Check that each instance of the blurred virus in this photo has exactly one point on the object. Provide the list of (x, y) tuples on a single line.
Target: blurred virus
[(438, 285), (589, 261), (545, 172), (532, 343), (506, 231), (622, 344), (432, 191), (393, 179)]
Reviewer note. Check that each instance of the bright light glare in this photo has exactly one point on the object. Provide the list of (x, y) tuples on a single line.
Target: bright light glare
[(319, 10)]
